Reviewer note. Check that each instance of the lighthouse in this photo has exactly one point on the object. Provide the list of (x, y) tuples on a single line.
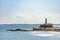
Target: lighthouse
[(45, 20), (46, 25)]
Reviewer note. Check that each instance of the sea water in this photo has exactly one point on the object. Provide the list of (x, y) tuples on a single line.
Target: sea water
[(34, 35)]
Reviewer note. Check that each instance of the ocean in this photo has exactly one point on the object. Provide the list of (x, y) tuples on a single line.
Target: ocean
[(34, 35)]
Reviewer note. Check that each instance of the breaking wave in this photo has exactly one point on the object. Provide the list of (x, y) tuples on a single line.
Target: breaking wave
[(43, 35), (46, 34)]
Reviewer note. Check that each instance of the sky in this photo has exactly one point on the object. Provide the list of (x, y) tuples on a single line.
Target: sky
[(29, 11)]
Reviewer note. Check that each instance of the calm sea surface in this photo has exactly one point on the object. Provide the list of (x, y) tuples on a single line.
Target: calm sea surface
[(36, 35)]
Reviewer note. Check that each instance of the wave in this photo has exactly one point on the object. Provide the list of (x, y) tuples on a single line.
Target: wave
[(45, 33)]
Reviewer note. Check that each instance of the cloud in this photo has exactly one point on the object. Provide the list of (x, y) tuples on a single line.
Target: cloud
[(30, 11), (7, 20), (31, 18), (36, 17)]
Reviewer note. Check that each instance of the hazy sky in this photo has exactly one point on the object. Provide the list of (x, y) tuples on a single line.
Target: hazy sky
[(29, 11)]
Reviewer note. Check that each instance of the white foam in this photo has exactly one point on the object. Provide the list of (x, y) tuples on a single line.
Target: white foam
[(35, 32), (55, 32), (45, 34)]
